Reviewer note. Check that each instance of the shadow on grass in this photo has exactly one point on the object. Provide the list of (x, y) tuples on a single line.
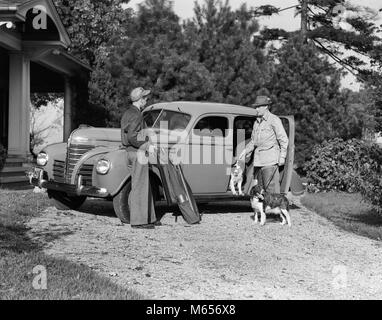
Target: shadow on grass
[(370, 217), (346, 211), (15, 238), (18, 207), (20, 254)]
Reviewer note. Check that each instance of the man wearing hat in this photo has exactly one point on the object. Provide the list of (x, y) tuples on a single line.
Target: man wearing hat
[(142, 212), (270, 142)]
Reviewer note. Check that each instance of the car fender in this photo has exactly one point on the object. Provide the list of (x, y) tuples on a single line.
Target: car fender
[(56, 151), (118, 173), (85, 158)]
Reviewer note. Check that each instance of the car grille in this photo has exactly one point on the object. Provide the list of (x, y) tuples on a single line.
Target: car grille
[(86, 171), (59, 171), (75, 152), (62, 171)]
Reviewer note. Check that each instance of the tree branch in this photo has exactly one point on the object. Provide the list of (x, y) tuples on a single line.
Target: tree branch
[(343, 63)]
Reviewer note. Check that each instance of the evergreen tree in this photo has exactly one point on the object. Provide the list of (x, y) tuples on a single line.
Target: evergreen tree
[(336, 27), (307, 86), (222, 40), (152, 55)]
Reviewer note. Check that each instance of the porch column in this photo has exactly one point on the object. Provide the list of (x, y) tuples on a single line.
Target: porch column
[(68, 96), (19, 105)]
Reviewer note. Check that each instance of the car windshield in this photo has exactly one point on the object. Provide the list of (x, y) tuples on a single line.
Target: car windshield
[(171, 120)]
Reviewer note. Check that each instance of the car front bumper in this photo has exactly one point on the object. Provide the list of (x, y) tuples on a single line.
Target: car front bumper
[(38, 179)]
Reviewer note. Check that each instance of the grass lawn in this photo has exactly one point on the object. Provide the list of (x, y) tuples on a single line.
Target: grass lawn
[(347, 211), (19, 255)]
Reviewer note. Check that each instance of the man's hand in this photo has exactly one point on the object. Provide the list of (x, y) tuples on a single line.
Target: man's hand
[(281, 162)]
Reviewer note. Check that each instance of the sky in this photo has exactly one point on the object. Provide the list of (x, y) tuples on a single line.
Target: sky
[(184, 9), (285, 20)]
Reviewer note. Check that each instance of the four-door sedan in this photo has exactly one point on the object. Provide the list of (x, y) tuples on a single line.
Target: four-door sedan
[(205, 138)]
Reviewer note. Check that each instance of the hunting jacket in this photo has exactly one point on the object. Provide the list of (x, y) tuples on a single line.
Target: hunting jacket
[(269, 140), (132, 124)]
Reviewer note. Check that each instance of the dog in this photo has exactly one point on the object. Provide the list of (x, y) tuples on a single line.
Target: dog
[(29, 173), (263, 203), (237, 178)]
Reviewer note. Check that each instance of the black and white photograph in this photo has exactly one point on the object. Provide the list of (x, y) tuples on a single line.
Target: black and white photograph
[(190, 156)]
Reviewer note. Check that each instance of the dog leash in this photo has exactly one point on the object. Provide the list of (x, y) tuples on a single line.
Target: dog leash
[(270, 180)]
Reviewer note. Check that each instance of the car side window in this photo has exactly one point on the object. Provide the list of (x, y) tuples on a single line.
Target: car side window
[(213, 126), (242, 129)]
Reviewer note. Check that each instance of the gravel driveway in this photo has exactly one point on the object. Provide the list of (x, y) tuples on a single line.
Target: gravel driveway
[(227, 256)]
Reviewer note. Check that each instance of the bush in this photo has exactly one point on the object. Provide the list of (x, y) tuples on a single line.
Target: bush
[(3, 156), (350, 166), (371, 187), (336, 164)]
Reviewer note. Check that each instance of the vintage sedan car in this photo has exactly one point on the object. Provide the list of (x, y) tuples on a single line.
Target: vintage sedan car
[(205, 138)]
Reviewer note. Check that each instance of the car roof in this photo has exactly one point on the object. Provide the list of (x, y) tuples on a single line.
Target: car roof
[(198, 107)]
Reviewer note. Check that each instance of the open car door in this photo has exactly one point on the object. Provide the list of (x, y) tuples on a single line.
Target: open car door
[(289, 179)]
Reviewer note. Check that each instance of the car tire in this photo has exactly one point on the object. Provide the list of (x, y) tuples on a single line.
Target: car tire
[(121, 201), (63, 201)]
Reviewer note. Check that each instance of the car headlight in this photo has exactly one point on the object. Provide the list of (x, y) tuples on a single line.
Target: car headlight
[(42, 159), (103, 166)]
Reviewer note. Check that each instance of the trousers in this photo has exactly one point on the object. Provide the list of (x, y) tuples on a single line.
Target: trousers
[(268, 177), (141, 202)]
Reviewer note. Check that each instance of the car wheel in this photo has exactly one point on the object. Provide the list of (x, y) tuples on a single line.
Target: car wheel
[(121, 201), (63, 201)]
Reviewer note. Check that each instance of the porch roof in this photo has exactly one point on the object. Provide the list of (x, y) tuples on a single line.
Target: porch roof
[(48, 47)]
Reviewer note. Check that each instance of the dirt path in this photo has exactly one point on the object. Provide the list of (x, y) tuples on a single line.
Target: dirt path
[(227, 256)]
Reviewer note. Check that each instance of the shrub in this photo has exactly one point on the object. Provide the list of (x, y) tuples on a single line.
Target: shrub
[(335, 165), (3, 156), (371, 186), (350, 166)]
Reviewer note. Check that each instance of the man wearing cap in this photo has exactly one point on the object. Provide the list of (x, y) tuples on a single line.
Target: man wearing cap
[(142, 212), (270, 142)]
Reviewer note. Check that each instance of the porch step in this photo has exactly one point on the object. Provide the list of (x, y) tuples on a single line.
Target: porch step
[(15, 169), (17, 162), (11, 159), (13, 175), (13, 179), (16, 186)]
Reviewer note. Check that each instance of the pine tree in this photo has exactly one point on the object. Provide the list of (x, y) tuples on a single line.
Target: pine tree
[(324, 24), (222, 40), (306, 85), (153, 54)]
